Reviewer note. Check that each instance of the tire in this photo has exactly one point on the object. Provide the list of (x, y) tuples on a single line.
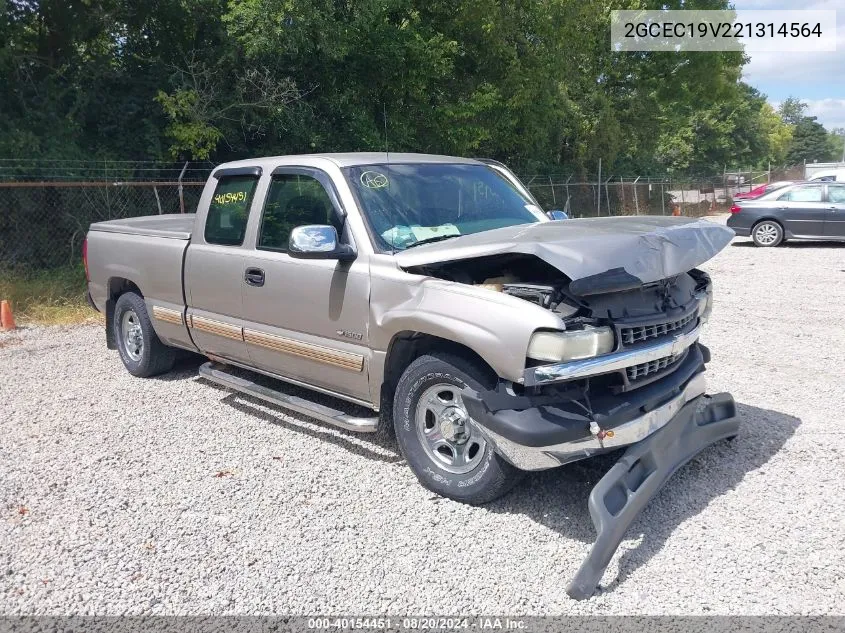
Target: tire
[(142, 352), (459, 465), (767, 233)]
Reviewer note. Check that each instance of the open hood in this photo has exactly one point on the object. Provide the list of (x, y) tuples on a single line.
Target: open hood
[(597, 254)]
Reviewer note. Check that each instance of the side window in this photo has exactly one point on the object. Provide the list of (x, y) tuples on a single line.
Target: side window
[(229, 210), (803, 194), (294, 200), (836, 194)]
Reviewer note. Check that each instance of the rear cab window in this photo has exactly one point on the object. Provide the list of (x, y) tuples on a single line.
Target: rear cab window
[(229, 210)]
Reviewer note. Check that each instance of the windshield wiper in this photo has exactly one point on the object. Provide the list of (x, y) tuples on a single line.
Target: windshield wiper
[(429, 240)]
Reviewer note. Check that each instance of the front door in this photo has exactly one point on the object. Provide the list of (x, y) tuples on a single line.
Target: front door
[(214, 269), (305, 319), (802, 210), (834, 225)]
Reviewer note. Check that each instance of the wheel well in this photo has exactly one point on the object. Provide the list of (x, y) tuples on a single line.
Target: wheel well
[(405, 347), (116, 287), (120, 285), (775, 220)]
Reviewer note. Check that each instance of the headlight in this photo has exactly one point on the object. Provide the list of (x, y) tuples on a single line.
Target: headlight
[(565, 346), (705, 306)]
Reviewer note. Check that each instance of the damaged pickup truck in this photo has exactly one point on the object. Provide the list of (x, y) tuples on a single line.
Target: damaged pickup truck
[(431, 297)]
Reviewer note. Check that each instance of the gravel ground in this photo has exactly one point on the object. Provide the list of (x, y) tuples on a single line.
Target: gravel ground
[(168, 495)]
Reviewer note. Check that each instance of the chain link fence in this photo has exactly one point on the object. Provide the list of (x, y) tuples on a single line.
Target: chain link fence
[(634, 196), (42, 225), (47, 207)]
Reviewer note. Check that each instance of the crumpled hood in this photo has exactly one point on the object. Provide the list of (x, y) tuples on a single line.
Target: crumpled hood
[(597, 254)]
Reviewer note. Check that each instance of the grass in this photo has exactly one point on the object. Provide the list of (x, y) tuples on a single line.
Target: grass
[(47, 297)]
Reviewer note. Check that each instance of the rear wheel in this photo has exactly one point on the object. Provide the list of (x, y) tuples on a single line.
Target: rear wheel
[(767, 233), (142, 352), (442, 444)]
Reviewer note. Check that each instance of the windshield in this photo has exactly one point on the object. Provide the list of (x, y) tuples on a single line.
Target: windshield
[(410, 204)]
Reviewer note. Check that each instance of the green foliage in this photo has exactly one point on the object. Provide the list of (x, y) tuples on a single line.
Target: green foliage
[(778, 134), (809, 142), (531, 83), (791, 111)]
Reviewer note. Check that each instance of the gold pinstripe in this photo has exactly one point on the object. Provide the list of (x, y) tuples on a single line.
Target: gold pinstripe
[(329, 356)]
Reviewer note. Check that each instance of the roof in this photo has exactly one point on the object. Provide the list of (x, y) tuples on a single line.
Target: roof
[(352, 159)]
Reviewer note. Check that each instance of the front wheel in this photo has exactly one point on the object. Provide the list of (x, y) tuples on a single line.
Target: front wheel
[(767, 233), (442, 444), (142, 352)]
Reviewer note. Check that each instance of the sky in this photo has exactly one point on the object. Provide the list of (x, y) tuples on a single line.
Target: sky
[(817, 78)]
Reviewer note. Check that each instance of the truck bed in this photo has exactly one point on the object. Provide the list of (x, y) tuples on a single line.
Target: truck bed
[(175, 226)]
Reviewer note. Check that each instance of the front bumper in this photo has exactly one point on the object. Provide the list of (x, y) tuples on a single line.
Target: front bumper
[(619, 496), (536, 434)]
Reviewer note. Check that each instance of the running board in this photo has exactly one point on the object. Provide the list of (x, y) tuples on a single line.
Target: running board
[(218, 374)]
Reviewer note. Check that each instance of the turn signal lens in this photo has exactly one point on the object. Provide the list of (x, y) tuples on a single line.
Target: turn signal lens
[(574, 345)]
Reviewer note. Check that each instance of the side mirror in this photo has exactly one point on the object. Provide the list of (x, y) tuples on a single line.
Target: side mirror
[(318, 241), (557, 214)]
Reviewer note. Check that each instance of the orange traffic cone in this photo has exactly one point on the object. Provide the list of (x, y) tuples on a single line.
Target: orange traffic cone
[(7, 320)]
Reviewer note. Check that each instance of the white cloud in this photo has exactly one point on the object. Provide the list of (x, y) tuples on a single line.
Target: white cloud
[(806, 67), (831, 112)]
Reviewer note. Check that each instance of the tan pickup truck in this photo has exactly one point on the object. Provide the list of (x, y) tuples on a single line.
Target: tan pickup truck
[(431, 297)]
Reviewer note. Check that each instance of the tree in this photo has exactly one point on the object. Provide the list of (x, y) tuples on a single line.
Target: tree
[(778, 135), (791, 111), (809, 142)]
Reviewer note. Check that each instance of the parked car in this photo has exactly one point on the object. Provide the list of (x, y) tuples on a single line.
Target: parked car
[(762, 189), (828, 175), (435, 293), (810, 210)]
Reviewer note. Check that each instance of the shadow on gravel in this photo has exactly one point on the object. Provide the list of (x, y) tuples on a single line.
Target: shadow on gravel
[(557, 498), (353, 442)]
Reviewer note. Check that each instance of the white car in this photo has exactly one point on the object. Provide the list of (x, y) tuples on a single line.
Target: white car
[(829, 175)]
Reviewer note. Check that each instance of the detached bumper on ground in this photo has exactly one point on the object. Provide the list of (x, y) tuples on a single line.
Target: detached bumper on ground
[(635, 479), (663, 425)]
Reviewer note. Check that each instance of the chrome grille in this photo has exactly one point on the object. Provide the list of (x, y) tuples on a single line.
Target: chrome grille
[(631, 335), (635, 372)]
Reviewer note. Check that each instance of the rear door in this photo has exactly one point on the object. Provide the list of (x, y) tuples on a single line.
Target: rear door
[(803, 210), (214, 265), (834, 225), (306, 319)]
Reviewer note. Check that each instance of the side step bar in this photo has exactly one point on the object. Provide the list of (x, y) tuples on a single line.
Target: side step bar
[(218, 374)]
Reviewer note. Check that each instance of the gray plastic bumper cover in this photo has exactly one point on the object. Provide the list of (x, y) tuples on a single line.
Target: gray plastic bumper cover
[(646, 466)]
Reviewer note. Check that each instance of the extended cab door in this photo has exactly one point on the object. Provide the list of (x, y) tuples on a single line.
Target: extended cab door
[(214, 264), (834, 225), (305, 319), (802, 210)]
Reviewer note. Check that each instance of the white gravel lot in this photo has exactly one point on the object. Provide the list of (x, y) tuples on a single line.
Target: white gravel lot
[(128, 496)]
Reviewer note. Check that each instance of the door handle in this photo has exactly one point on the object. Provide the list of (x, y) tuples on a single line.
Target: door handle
[(254, 277)]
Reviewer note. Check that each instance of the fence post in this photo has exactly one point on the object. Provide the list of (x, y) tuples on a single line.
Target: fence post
[(158, 201), (554, 197), (622, 191), (566, 207), (598, 190), (636, 197), (662, 200), (181, 190)]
